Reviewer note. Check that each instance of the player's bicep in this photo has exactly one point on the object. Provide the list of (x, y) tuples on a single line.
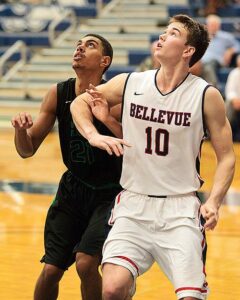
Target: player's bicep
[(45, 120), (113, 90), (116, 112), (216, 122)]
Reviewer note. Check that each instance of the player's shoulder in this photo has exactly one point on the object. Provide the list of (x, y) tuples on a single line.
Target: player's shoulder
[(143, 74), (66, 82)]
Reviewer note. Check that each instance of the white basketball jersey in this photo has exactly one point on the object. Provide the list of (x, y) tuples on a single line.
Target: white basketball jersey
[(165, 133)]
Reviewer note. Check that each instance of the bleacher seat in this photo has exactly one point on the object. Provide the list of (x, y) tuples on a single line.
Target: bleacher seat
[(85, 11), (229, 11), (15, 25), (115, 70), (95, 1), (228, 25), (29, 38), (14, 10), (30, 23), (196, 7), (135, 57), (179, 9)]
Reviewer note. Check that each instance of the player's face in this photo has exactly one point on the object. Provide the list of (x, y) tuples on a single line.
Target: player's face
[(88, 53), (172, 43)]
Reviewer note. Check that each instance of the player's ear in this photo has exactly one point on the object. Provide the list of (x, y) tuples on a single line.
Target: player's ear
[(105, 61), (189, 51)]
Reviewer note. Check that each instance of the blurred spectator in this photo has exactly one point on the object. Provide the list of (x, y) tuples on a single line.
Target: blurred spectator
[(222, 51), (150, 62), (213, 5), (232, 92)]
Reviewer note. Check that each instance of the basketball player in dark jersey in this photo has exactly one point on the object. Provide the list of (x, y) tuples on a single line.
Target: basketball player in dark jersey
[(74, 228)]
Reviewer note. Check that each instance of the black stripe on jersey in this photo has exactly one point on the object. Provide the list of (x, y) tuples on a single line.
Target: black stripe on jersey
[(198, 163), (206, 135), (123, 96), (175, 86)]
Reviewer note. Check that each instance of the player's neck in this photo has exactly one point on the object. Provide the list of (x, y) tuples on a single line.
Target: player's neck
[(82, 82), (169, 78)]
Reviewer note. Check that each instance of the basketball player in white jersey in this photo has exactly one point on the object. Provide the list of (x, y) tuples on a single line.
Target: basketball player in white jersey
[(167, 114)]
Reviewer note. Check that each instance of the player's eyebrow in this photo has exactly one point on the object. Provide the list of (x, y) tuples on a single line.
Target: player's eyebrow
[(88, 41), (175, 28)]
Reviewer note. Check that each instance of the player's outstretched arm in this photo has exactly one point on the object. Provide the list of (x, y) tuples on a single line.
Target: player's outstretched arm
[(100, 109), (221, 139), (112, 91)]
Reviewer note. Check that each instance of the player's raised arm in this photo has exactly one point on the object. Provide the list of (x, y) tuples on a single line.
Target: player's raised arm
[(28, 134), (112, 91)]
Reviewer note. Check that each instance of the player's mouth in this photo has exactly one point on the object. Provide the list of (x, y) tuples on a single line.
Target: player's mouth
[(78, 57)]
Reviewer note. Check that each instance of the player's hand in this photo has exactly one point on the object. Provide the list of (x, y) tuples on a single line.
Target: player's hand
[(210, 213), (98, 104), (22, 121), (110, 144)]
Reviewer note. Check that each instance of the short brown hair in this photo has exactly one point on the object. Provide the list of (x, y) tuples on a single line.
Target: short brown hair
[(197, 36)]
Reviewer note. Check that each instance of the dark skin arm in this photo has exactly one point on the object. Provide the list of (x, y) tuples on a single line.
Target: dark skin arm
[(28, 134)]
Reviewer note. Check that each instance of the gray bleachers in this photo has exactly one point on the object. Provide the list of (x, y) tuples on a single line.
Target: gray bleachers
[(123, 25)]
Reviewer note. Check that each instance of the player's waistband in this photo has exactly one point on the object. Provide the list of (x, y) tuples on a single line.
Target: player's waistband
[(173, 196)]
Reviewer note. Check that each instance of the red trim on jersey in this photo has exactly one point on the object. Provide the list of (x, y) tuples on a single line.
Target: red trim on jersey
[(192, 289), (118, 197), (110, 222), (117, 200), (130, 261)]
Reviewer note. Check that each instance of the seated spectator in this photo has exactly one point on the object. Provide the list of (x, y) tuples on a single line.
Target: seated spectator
[(232, 92), (150, 62), (213, 5), (222, 51)]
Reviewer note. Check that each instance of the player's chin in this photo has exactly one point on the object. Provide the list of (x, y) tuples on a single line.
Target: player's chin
[(75, 65)]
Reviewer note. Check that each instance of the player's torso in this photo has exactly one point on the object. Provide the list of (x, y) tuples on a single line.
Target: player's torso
[(92, 165), (165, 132)]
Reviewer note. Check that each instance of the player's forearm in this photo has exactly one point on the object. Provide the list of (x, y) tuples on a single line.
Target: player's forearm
[(82, 118), (23, 143), (222, 179), (114, 126)]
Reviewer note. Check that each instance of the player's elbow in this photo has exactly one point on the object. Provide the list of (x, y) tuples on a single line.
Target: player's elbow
[(25, 154)]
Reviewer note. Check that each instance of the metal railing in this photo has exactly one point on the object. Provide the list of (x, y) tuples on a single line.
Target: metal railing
[(99, 5), (109, 7), (67, 15), (19, 46)]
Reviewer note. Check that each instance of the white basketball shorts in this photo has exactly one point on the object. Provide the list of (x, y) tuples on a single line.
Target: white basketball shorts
[(166, 230)]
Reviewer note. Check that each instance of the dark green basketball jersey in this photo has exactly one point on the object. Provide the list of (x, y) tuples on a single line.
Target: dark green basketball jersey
[(91, 165)]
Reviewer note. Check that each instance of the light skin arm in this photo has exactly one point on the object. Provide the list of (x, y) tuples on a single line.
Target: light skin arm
[(28, 134), (221, 139), (236, 103), (112, 91), (100, 109)]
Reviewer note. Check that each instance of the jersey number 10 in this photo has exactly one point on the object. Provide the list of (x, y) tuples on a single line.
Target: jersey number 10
[(161, 141)]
